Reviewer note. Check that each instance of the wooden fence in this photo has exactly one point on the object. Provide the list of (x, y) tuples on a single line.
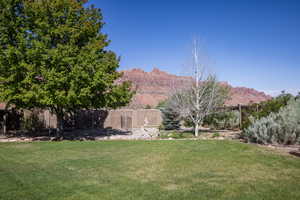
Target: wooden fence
[(124, 119)]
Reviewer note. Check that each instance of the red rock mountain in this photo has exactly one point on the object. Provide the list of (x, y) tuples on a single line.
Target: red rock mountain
[(154, 87)]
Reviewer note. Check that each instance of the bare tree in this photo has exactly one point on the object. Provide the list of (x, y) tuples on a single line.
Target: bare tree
[(201, 97)]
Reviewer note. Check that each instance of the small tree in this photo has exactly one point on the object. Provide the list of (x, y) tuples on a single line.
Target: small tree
[(201, 97), (148, 106), (171, 117), (53, 56)]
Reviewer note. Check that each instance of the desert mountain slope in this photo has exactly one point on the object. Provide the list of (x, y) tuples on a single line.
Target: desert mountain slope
[(153, 87)]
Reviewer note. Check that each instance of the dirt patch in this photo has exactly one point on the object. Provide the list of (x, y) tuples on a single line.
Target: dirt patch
[(220, 134)]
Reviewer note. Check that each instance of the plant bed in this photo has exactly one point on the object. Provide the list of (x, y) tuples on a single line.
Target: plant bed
[(204, 134)]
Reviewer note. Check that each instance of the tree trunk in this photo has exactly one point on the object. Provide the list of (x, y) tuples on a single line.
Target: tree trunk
[(196, 129), (240, 121), (60, 124), (4, 123)]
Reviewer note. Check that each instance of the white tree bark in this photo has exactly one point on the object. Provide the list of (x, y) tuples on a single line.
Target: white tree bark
[(200, 97)]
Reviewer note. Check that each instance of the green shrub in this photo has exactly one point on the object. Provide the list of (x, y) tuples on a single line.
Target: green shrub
[(264, 109), (277, 128), (176, 135), (171, 118), (216, 135), (148, 106), (223, 120)]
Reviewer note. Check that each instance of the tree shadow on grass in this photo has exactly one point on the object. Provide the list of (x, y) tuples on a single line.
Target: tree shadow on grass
[(69, 134)]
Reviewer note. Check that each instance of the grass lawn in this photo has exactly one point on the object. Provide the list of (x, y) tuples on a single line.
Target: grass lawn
[(146, 170)]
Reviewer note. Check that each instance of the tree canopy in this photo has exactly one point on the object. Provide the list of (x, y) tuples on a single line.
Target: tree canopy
[(53, 55)]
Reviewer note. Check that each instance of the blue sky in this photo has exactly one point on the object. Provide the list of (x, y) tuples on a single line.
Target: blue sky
[(253, 43)]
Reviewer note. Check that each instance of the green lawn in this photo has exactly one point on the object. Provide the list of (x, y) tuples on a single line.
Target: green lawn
[(146, 170)]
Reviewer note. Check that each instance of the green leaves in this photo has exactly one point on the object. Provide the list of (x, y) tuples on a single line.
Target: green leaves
[(53, 56)]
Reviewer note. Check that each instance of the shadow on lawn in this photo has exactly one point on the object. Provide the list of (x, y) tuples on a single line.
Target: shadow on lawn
[(69, 134)]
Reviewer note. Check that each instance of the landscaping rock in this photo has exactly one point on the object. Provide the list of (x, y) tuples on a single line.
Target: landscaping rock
[(271, 146), (56, 139)]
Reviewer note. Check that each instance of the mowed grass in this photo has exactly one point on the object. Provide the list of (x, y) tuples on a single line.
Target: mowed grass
[(146, 170)]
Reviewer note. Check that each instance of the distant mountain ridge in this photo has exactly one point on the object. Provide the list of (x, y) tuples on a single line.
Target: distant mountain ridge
[(154, 87)]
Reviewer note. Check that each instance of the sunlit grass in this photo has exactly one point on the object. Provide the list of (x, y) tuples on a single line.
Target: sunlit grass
[(146, 170)]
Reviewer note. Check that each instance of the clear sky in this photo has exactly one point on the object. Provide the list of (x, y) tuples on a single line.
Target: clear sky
[(252, 43)]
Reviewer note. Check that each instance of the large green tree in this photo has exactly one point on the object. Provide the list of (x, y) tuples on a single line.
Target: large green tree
[(53, 56)]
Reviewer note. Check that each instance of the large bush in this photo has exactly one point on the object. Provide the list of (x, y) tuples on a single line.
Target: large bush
[(223, 120), (263, 109), (277, 128)]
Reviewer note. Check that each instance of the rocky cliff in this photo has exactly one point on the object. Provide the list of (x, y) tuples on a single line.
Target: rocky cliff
[(154, 87)]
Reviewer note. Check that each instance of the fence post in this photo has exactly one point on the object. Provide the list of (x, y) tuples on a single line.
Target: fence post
[(4, 124), (240, 110), (93, 122)]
